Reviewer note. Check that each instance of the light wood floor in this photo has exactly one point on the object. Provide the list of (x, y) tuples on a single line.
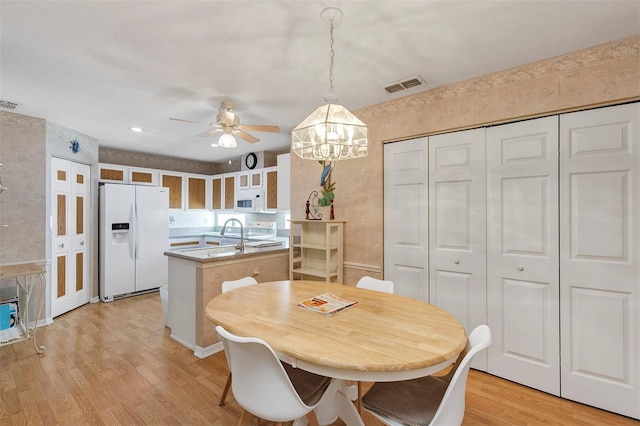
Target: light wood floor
[(115, 364)]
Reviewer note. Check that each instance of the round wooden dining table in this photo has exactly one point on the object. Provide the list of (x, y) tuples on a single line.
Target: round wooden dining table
[(383, 337)]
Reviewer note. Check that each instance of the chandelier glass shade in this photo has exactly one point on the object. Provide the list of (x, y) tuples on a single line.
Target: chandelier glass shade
[(331, 132), (227, 141)]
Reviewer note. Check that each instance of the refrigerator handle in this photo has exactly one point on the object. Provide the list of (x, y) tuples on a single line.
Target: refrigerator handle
[(136, 227), (132, 232)]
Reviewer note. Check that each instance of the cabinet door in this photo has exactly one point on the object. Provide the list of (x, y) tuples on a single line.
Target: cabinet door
[(255, 179), (217, 188), (457, 228), (243, 181), (271, 193), (284, 182), (599, 261), (196, 192), (522, 253), (229, 192), (143, 177), (112, 173), (174, 183)]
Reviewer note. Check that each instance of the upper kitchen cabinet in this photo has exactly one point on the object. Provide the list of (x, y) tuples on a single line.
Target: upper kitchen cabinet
[(229, 191), (112, 173), (173, 181), (139, 176), (271, 188), (217, 192), (251, 179), (284, 182), (196, 192)]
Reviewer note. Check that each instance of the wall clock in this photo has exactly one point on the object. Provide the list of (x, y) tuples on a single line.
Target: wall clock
[(251, 161)]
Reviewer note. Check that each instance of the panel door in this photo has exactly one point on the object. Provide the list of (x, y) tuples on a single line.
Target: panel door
[(152, 236), (457, 228), (406, 220), (522, 253), (599, 257), (70, 235)]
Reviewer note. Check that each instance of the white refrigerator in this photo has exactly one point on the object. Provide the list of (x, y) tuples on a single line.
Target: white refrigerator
[(134, 234)]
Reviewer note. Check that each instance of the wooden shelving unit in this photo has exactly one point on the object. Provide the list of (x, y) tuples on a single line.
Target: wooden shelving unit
[(316, 250)]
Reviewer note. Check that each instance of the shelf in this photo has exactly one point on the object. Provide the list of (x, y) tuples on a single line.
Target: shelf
[(314, 272), (316, 249)]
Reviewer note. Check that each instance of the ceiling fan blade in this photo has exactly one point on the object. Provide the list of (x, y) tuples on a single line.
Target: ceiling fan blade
[(209, 133), (246, 136), (186, 121), (260, 128)]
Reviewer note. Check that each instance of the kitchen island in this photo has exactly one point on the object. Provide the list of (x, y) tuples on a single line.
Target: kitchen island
[(196, 276)]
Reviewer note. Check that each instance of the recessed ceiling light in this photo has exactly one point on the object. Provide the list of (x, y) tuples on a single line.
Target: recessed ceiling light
[(136, 129)]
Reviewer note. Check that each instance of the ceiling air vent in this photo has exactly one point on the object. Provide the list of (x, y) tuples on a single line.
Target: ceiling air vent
[(409, 83), (7, 105)]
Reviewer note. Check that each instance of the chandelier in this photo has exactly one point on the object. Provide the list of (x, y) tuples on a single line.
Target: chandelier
[(331, 132)]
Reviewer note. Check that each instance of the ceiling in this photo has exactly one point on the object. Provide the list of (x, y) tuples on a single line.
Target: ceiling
[(101, 67)]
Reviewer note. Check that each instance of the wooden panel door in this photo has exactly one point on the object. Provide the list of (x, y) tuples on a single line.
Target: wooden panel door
[(70, 198), (216, 193), (457, 228), (406, 217), (522, 253), (196, 193), (174, 183), (599, 257), (229, 192)]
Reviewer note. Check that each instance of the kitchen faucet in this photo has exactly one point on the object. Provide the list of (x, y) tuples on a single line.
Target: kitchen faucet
[(240, 245)]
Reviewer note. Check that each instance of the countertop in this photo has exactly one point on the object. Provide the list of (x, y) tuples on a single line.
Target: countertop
[(228, 252)]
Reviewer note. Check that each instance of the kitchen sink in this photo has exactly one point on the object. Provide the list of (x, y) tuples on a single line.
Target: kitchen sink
[(209, 251)]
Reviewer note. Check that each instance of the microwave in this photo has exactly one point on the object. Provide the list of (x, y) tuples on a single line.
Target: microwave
[(249, 201)]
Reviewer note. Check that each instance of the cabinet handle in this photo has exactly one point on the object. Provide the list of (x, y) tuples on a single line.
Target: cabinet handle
[(456, 261), (255, 273), (61, 245), (520, 268), (82, 243)]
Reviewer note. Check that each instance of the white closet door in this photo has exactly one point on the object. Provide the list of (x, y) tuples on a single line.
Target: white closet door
[(522, 253), (70, 198), (457, 225), (406, 220), (599, 257)]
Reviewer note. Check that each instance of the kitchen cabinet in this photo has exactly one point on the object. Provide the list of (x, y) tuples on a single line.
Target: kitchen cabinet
[(175, 182), (212, 241), (316, 250), (284, 182), (138, 176), (271, 188), (229, 191), (185, 242), (196, 192), (112, 173), (217, 192), (250, 179)]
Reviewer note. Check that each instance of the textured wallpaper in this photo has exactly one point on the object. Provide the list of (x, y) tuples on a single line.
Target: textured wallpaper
[(602, 75)]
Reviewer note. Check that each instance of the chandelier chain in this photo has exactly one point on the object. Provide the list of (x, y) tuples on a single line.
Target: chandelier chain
[(331, 55)]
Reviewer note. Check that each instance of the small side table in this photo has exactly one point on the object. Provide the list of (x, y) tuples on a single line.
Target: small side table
[(26, 275)]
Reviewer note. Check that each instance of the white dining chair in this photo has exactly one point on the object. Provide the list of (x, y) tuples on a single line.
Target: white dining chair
[(267, 388), (371, 283), (228, 286), (431, 400)]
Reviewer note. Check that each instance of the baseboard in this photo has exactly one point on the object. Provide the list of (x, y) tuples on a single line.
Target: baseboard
[(201, 352)]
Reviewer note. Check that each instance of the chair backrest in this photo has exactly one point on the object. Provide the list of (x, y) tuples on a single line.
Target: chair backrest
[(260, 383), (376, 284), (233, 284), (451, 409)]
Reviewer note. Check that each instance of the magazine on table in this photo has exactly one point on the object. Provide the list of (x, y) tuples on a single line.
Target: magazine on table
[(327, 304)]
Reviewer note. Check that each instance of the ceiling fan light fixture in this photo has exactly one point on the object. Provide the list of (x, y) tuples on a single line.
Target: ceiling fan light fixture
[(227, 141), (331, 132)]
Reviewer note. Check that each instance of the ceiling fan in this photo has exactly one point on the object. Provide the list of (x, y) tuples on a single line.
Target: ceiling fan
[(229, 123)]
